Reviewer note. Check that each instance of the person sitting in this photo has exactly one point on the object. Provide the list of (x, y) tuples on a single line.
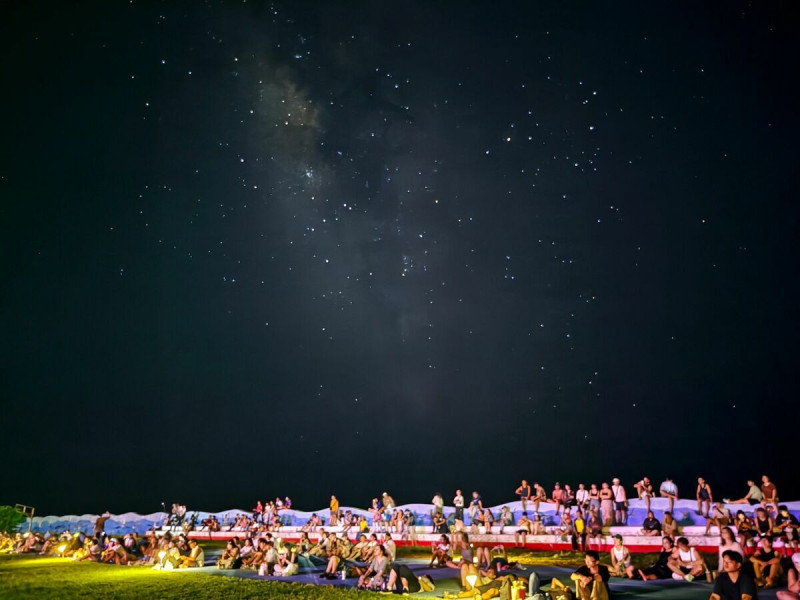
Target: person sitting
[(440, 552), (286, 565), (196, 557), (557, 497), (763, 523), (792, 592), (537, 525), (303, 545), (170, 558), (360, 551), (230, 558), (670, 526), (485, 519), (645, 491), (769, 494), (660, 568), (372, 578), (785, 523), (440, 523), (397, 522), (333, 554), (727, 541), (255, 557), (767, 565), (321, 547), (752, 497), (594, 526), (506, 518), (483, 557), (524, 493), (539, 496), (246, 550), (651, 526), (475, 504), (705, 497), (314, 522), (464, 549), (621, 564), (523, 529), (590, 576), (733, 583), (719, 517), (686, 563), (390, 547), (363, 525), (745, 528)]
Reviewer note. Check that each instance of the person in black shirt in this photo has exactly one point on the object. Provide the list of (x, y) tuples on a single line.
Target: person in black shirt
[(660, 568), (590, 575), (651, 525), (767, 564), (733, 583)]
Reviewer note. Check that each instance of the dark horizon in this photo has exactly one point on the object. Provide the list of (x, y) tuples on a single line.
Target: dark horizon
[(298, 249)]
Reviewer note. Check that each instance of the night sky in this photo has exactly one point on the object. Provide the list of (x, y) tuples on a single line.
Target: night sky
[(300, 248)]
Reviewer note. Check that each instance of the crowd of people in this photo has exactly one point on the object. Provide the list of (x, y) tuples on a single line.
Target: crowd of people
[(161, 552), (761, 550)]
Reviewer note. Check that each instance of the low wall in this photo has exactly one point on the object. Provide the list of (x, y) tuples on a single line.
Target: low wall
[(684, 513)]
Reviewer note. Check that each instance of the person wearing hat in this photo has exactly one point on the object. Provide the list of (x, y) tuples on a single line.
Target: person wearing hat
[(733, 583)]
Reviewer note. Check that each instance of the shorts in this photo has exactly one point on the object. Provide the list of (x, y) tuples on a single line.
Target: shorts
[(620, 506)]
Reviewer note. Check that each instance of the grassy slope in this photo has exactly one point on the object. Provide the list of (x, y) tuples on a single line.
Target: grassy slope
[(23, 577)]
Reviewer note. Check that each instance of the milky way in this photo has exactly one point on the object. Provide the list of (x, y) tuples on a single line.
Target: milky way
[(447, 244)]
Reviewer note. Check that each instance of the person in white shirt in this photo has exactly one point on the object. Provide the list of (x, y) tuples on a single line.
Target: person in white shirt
[(668, 489), (582, 496), (645, 491), (620, 502), (458, 502)]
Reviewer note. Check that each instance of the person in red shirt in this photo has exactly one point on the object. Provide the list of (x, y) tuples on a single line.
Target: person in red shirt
[(769, 494)]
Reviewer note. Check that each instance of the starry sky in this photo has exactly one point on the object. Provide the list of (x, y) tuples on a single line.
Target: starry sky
[(300, 248)]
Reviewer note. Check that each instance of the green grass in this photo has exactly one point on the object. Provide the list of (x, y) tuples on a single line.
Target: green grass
[(23, 577)]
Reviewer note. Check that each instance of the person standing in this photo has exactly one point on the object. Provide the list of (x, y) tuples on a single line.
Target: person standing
[(458, 502), (620, 502), (100, 524), (334, 507)]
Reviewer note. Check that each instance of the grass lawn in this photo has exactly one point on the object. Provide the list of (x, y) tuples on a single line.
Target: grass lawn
[(23, 577)]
